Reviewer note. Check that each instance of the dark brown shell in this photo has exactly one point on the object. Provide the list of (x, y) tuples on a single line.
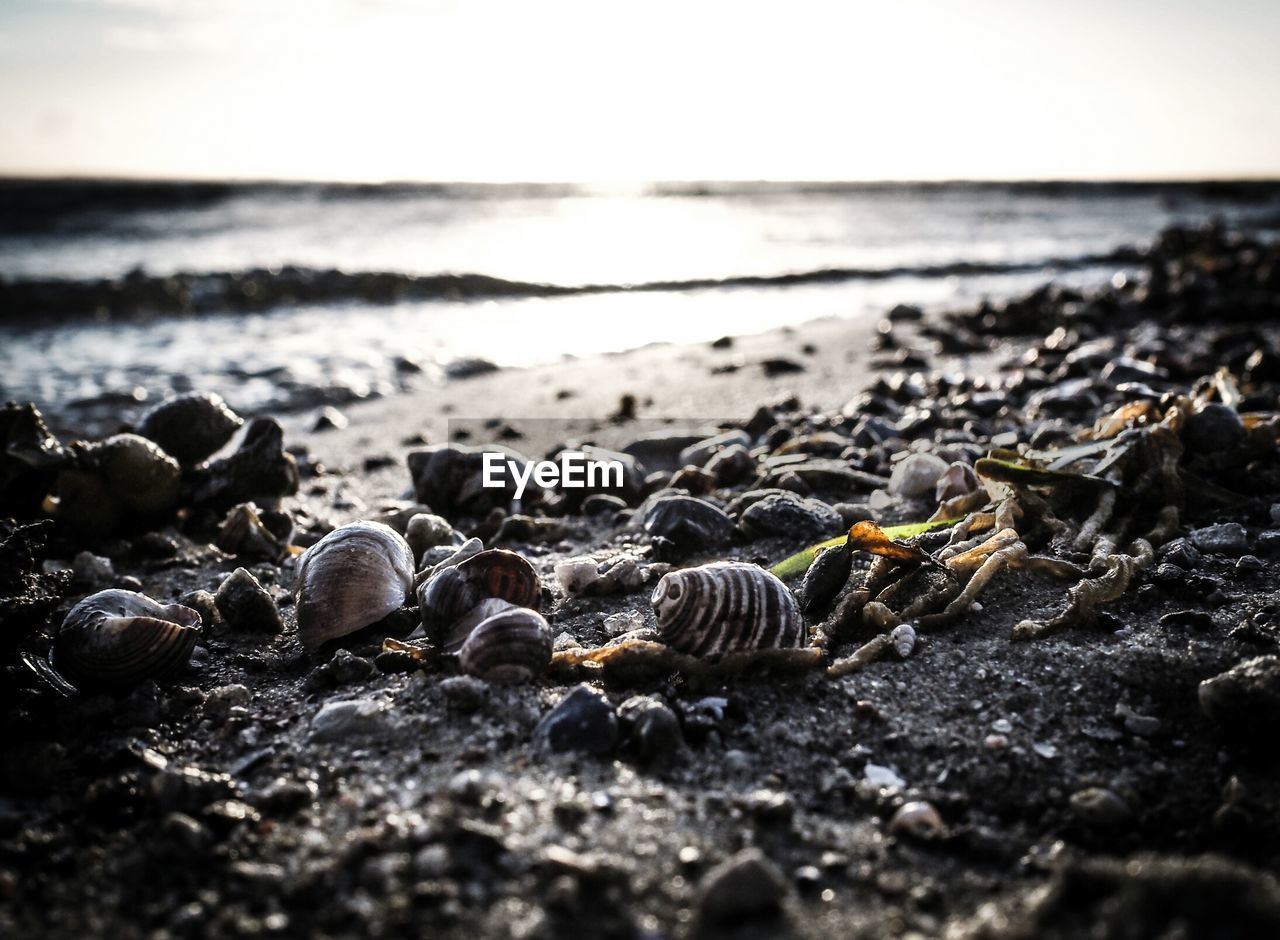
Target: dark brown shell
[(116, 639), (726, 607), (506, 575), (511, 645)]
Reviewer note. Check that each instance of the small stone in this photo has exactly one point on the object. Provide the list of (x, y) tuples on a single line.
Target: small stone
[(205, 604), (732, 465), (343, 668), (1141, 725), (781, 365), (787, 514), (1098, 806), (583, 721), (1002, 726), (329, 419), (1181, 619), (1225, 538), (1245, 700), (682, 524), (426, 530), (699, 453), (918, 819), (221, 700), (625, 621), (1249, 564), (92, 570), (245, 604), (349, 719), (188, 833), (996, 742), (650, 730), (465, 693), (745, 886), (916, 475), (1212, 429), (1182, 553), (1045, 750), (603, 504), (882, 777)]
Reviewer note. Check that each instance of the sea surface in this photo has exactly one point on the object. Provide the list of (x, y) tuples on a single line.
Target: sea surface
[(514, 274)]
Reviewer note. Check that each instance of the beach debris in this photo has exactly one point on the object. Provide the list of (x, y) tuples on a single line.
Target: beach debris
[(192, 427), (743, 887), (450, 477), (825, 577), (789, 515), (916, 475), (620, 574), (426, 530), (650, 729), (583, 721), (125, 478), (353, 577), (30, 458), (115, 639), (1244, 701)]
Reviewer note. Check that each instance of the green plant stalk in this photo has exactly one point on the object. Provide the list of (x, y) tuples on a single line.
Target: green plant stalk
[(799, 563)]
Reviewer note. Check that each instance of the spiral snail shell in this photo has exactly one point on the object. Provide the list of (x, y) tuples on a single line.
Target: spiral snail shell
[(452, 592), (115, 639), (726, 607), (508, 644), (350, 579)]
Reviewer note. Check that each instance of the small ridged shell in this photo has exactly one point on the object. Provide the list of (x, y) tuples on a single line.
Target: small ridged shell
[(450, 594), (351, 578), (115, 639), (139, 473), (511, 645), (726, 607)]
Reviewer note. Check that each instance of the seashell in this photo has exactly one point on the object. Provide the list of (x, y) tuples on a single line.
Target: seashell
[(115, 639), (451, 593), (190, 428), (726, 607), (958, 479), (350, 579), (451, 477), (471, 546), (511, 644), (444, 598), (425, 530), (903, 639), (918, 819), (30, 457), (506, 575), (138, 473)]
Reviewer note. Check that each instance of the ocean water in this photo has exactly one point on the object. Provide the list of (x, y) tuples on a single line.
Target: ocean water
[(675, 263)]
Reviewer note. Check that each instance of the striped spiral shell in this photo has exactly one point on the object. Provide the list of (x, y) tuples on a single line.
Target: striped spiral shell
[(508, 644), (351, 579), (116, 639), (726, 607), (451, 593)]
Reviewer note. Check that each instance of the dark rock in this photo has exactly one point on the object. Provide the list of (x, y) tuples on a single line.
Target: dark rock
[(780, 365), (465, 693), (190, 428), (343, 668), (1194, 619), (467, 368), (260, 468), (584, 721), (650, 730), (1245, 700), (602, 504), (1182, 553), (1098, 806), (789, 515), (1213, 429), (697, 454), (246, 605), (685, 524), (205, 604), (1224, 538), (350, 720), (740, 888)]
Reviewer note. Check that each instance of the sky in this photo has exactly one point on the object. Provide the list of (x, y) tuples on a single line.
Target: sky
[(581, 90)]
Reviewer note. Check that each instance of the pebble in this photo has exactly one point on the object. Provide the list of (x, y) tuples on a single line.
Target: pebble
[(350, 718), (583, 721), (685, 524), (329, 419), (1182, 553), (1245, 700), (1213, 428), (744, 886), (650, 729), (426, 530), (601, 504), (92, 570), (732, 465), (882, 777), (699, 453), (343, 668), (1098, 806), (790, 515), (1225, 538), (625, 621), (221, 700), (1141, 725), (465, 693), (918, 819), (916, 475), (245, 604)]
